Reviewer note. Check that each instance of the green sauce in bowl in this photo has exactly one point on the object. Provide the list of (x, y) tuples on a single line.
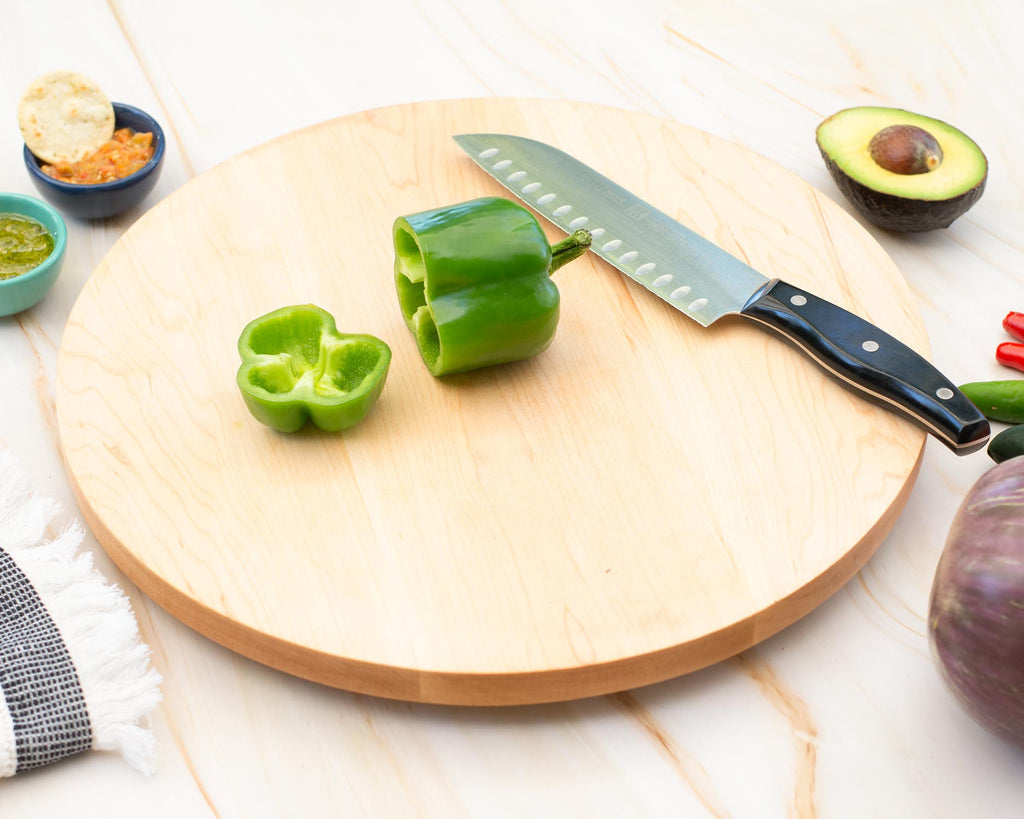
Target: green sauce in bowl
[(24, 244)]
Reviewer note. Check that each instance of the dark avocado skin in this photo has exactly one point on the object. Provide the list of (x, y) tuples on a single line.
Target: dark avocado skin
[(900, 213)]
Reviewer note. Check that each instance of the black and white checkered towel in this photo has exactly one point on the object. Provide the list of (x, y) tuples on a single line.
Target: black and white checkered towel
[(74, 674)]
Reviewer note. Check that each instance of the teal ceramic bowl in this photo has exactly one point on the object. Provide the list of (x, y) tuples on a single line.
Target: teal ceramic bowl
[(21, 292)]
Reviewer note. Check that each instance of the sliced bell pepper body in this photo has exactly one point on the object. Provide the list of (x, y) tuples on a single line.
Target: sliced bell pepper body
[(473, 282), (297, 367)]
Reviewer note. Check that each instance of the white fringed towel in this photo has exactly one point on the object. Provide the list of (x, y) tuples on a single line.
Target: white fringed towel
[(74, 672)]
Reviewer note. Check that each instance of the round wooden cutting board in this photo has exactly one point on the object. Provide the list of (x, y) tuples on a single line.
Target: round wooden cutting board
[(643, 499)]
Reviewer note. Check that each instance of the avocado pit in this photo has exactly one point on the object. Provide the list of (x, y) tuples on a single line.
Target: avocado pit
[(905, 149)]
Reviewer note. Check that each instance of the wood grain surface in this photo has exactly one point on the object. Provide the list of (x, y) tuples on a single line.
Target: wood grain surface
[(643, 499)]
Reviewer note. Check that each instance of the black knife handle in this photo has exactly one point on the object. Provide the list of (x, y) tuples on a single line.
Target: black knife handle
[(882, 368)]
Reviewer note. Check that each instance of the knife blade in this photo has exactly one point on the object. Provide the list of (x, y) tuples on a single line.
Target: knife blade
[(705, 282)]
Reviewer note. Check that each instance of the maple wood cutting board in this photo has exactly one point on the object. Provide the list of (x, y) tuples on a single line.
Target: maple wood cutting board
[(643, 499)]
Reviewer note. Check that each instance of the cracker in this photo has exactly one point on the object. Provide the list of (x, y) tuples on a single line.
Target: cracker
[(64, 116)]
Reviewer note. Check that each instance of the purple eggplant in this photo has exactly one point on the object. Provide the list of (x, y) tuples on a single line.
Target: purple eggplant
[(976, 617)]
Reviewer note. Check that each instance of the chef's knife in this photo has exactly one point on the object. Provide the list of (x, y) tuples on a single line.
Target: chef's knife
[(704, 282)]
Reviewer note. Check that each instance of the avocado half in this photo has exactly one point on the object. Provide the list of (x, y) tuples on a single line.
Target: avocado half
[(930, 173)]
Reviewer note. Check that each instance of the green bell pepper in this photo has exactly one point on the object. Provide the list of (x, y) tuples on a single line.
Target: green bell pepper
[(296, 366), (474, 284)]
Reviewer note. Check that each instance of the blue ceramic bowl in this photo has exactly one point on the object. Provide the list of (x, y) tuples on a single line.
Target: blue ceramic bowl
[(21, 292), (106, 198)]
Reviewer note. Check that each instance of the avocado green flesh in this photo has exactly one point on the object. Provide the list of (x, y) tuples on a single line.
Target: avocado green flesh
[(844, 139)]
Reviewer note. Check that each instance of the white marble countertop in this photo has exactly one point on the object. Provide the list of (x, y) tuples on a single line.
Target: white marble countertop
[(840, 715)]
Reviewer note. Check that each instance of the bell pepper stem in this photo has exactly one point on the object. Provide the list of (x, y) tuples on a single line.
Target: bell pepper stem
[(571, 247)]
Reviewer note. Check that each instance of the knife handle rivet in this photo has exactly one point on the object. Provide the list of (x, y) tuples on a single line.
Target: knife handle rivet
[(870, 346), (798, 300), (547, 197), (628, 256), (488, 153), (945, 393), (608, 247)]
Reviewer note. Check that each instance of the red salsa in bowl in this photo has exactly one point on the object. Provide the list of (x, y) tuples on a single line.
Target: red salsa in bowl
[(125, 153)]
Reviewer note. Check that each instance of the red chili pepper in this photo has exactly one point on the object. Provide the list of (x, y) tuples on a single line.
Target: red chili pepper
[(1014, 324), (1011, 354)]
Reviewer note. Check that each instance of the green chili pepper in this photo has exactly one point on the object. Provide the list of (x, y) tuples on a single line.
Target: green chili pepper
[(998, 400), (296, 366), (474, 285)]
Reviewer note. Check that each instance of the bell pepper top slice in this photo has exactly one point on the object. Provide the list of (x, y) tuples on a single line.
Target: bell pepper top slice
[(297, 367), (473, 282)]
